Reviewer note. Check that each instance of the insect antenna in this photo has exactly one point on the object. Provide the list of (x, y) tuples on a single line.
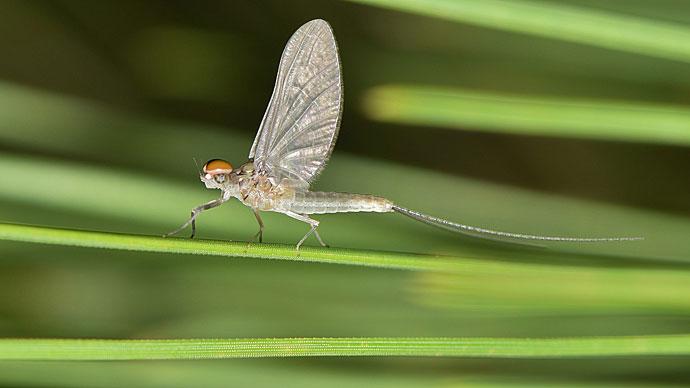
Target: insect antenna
[(198, 169)]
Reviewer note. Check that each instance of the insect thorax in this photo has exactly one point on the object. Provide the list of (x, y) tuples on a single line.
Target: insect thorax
[(261, 192)]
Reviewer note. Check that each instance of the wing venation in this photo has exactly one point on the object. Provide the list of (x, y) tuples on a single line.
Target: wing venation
[(300, 126)]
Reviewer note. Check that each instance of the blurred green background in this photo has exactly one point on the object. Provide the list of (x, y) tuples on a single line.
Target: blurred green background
[(104, 104)]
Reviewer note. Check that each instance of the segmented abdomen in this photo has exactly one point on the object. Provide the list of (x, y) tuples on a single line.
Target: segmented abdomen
[(317, 202)]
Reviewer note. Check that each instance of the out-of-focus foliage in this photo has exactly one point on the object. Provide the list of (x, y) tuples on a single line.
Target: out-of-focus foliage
[(530, 115), (559, 20), (104, 104)]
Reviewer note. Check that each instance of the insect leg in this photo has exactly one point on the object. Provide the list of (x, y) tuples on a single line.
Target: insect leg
[(318, 237), (312, 222), (195, 212), (260, 233)]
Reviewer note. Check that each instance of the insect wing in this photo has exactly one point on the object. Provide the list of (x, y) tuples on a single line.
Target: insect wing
[(300, 126)]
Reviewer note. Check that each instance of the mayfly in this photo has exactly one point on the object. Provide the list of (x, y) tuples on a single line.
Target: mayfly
[(295, 140)]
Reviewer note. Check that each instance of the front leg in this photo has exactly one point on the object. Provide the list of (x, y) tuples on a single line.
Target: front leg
[(195, 212)]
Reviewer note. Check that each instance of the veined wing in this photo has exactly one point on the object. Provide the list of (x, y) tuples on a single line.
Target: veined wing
[(300, 126)]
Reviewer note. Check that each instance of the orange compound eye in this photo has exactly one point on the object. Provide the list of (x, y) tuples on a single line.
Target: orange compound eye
[(217, 166)]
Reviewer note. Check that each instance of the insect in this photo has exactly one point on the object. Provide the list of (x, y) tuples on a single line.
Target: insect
[(294, 142)]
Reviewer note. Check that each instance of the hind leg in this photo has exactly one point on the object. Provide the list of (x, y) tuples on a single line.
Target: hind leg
[(312, 222)]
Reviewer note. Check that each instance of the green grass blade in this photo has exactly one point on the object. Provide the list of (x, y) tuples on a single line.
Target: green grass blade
[(94, 349), (559, 21), (537, 115), (91, 239), (475, 281)]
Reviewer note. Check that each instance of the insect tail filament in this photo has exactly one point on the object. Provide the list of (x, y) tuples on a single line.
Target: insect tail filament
[(460, 228)]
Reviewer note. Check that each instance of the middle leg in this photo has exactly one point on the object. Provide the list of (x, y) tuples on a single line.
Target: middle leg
[(260, 233)]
